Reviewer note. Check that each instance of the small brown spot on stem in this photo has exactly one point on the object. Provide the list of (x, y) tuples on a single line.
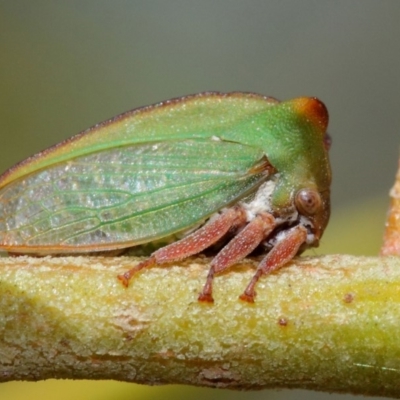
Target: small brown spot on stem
[(348, 298), (282, 321)]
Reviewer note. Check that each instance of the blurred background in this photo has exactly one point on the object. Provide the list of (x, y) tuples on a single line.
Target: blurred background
[(66, 65)]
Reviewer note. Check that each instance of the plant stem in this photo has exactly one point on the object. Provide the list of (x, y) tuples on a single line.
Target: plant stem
[(329, 323)]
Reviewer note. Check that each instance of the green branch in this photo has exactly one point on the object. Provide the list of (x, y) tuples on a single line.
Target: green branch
[(327, 323)]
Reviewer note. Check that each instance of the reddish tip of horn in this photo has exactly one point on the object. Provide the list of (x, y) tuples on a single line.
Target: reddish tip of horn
[(313, 109)]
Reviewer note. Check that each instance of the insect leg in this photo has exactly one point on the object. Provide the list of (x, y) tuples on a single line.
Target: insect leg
[(194, 243), (238, 248), (126, 276), (281, 254), (203, 238)]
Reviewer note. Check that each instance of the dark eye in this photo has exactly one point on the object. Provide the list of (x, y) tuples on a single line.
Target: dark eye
[(308, 201)]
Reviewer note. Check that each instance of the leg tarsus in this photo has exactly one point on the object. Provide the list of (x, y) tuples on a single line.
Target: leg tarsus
[(126, 276), (248, 298), (281, 254), (206, 294), (249, 294), (205, 298)]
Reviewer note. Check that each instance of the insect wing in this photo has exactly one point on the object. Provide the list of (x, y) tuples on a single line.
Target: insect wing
[(197, 116), (126, 195)]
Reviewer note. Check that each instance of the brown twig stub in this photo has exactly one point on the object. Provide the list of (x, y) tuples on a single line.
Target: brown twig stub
[(391, 241)]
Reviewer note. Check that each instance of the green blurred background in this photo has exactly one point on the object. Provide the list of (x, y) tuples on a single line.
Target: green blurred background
[(66, 65)]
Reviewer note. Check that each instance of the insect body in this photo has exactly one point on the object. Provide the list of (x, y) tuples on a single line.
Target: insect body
[(245, 168)]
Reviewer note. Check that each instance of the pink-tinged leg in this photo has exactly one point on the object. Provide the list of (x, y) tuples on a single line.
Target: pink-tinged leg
[(281, 254), (238, 248), (203, 238), (194, 243)]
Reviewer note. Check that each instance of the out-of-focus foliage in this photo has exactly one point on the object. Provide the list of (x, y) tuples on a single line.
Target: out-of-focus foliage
[(356, 229)]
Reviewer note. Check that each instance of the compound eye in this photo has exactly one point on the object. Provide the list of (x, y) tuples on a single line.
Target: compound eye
[(308, 201)]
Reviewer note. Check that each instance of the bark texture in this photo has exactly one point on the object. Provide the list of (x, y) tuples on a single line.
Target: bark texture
[(329, 323)]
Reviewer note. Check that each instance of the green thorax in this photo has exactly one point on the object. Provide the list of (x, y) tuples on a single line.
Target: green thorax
[(292, 135)]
